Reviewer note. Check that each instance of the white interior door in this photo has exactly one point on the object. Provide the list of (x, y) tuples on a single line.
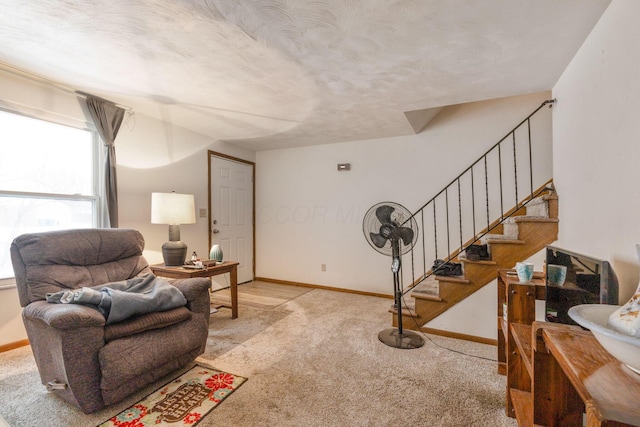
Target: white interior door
[(231, 210)]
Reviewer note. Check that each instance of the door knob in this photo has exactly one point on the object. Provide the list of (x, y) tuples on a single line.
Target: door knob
[(215, 231)]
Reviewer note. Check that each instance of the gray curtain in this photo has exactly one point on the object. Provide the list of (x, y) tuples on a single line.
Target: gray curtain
[(108, 117)]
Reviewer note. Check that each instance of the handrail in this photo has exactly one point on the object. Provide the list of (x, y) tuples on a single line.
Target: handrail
[(442, 227), (548, 101)]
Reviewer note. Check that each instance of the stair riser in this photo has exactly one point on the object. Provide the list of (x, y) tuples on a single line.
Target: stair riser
[(539, 209), (511, 230), (480, 273), (510, 254), (538, 235), (451, 295)]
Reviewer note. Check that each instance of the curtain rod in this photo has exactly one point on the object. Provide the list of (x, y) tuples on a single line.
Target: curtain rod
[(60, 86)]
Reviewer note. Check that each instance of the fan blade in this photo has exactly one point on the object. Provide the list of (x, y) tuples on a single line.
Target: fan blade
[(406, 234), (383, 213), (378, 240)]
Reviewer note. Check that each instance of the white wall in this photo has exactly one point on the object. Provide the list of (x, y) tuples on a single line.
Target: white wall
[(310, 214), (155, 157), (152, 156), (596, 134)]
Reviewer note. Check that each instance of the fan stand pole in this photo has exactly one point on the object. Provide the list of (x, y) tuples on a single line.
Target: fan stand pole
[(396, 337)]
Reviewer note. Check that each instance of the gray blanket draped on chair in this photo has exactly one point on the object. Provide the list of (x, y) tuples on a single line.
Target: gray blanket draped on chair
[(120, 300)]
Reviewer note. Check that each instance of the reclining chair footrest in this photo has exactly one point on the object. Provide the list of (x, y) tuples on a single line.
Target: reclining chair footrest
[(56, 385)]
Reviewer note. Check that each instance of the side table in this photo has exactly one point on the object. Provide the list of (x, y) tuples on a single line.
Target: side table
[(230, 267)]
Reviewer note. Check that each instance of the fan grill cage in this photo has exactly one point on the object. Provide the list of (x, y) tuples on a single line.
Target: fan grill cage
[(399, 217)]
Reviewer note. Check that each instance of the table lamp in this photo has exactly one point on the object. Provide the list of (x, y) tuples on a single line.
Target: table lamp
[(173, 209)]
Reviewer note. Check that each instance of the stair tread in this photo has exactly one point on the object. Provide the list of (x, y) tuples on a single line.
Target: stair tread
[(455, 279), (542, 199), (506, 241), (408, 308), (530, 218), (490, 236), (425, 296), (504, 236), (536, 201), (421, 289), (427, 289), (525, 218), (479, 261)]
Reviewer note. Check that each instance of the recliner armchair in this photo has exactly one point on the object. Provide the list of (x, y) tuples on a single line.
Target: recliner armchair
[(79, 358)]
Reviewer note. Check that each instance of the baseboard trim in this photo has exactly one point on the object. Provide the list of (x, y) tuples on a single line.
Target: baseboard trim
[(432, 331), (459, 336), (326, 288), (12, 345)]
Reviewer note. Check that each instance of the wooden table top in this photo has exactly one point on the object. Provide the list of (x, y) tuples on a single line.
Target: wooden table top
[(509, 276), (597, 376), (180, 272)]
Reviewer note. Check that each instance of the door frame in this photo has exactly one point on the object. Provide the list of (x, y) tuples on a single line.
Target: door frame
[(210, 154)]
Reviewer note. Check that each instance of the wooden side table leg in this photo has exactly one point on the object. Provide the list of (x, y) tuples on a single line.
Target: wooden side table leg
[(555, 401), (234, 292)]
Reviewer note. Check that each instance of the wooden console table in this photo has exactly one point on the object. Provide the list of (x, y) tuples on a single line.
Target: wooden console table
[(609, 390), (557, 372), (230, 267)]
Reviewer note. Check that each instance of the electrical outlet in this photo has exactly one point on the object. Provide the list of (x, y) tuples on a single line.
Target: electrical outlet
[(323, 267)]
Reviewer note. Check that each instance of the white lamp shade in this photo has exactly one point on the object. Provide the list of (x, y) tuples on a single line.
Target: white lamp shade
[(172, 208)]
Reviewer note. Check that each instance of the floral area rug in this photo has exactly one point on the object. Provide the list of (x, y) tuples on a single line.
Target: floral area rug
[(182, 402)]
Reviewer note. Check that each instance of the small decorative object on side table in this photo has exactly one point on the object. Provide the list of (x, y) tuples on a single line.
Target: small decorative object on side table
[(216, 253), (230, 267)]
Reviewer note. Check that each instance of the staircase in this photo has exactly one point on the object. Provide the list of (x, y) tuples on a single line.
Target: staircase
[(529, 230), (502, 200)]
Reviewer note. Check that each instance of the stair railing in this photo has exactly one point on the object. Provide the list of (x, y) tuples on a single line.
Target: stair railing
[(473, 203)]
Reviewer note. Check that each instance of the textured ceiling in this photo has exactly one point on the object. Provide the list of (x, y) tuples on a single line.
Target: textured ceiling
[(281, 73)]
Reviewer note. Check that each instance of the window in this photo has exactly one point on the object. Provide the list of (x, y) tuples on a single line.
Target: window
[(48, 179)]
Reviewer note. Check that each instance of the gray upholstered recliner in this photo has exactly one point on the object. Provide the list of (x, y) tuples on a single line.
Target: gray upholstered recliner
[(79, 357)]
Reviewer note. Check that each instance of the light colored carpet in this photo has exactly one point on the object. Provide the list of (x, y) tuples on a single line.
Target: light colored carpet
[(258, 294), (313, 361)]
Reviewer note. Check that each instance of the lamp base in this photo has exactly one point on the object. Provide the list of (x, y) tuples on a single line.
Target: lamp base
[(174, 253)]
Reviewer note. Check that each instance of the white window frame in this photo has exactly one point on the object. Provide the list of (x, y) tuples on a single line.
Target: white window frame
[(98, 181)]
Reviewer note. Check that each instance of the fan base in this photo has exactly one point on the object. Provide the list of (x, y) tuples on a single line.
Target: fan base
[(407, 340)]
